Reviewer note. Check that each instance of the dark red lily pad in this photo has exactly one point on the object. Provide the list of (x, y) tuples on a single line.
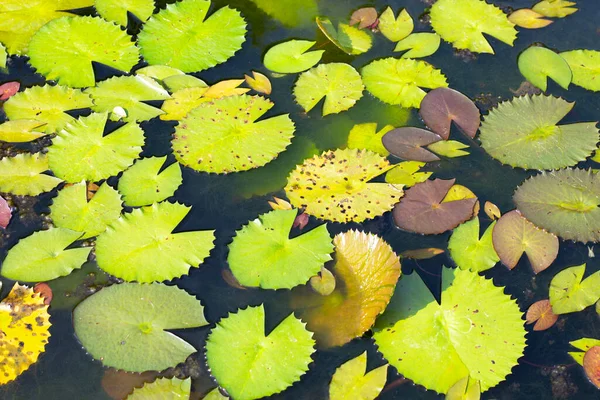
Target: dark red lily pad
[(364, 17), (5, 213), (44, 290), (408, 142), (541, 313), (8, 89), (591, 365), (441, 106), (422, 209)]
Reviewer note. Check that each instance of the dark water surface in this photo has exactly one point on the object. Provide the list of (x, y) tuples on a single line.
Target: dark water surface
[(226, 202)]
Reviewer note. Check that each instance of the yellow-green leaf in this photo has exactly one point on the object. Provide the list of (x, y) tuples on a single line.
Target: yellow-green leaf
[(393, 28), (449, 148), (352, 382)]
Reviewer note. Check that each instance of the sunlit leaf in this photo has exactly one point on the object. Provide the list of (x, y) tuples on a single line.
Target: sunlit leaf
[(144, 183), (464, 389), (395, 29), (537, 64), (259, 83), (471, 252), (182, 102), (21, 130), (541, 313), (64, 49), (229, 87), (555, 8), (422, 254), (400, 81), (178, 82), (248, 362), (585, 65), (366, 136), (181, 36), (280, 204), (336, 186), (347, 38), (263, 255), (163, 389), (449, 148), (338, 83), (583, 344), (125, 325), (442, 106), (43, 256), (3, 56), (323, 283), (116, 10), (407, 173), (408, 143), (292, 56), (419, 45), (23, 175), (569, 292), (141, 246), (159, 72), (491, 210), (352, 381), (526, 18), (591, 365), (9, 89)]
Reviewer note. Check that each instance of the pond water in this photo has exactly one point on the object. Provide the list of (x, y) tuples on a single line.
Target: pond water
[(226, 202)]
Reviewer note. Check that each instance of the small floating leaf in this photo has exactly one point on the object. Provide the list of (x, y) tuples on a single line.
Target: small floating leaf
[(225, 88), (591, 365), (555, 8), (442, 106), (351, 380), (419, 45), (116, 10), (280, 204), (250, 364), (364, 17), (526, 18), (537, 64), (324, 283), (338, 83), (365, 136), (471, 252), (347, 38), (8, 89), (23, 175), (181, 36), (491, 210), (585, 65), (583, 344), (292, 56), (163, 389), (395, 29), (541, 313), (408, 142), (259, 83), (407, 173), (125, 325), (263, 255), (568, 293), (143, 183), (42, 256), (449, 148), (21, 130), (5, 213)]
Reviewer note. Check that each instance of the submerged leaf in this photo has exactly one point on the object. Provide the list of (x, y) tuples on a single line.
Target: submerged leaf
[(116, 10), (292, 56), (555, 8), (21, 130), (23, 175), (144, 183), (259, 83), (395, 29), (125, 325), (407, 173), (365, 136), (442, 106), (568, 293), (347, 38), (449, 148), (419, 45), (537, 64), (541, 313), (250, 364), (364, 17), (163, 389), (351, 380), (469, 251), (408, 142), (585, 65), (526, 18), (464, 389)]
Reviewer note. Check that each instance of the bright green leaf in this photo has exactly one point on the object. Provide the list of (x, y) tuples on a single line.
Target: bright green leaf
[(568, 293), (292, 56), (365, 136), (142, 184), (585, 65), (178, 82), (351, 380), (469, 251), (116, 10), (464, 389), (583, 344), (537, 64), (21, 130), (182, 102), (23, 175), (555, 8), (419, 45), (449, 148), (159, 72), (3, 56), (347, 38), (407, 173), (163, 389), (395, 29)]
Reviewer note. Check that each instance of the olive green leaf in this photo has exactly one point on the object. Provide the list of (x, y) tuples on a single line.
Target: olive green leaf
[(585, 66), (419, 45), (143, 183), (23, 175), (471, 252), (395, 29), (569, 292), (351, 380), (347, 38), (116, 10), (537, 64), (292, 56)]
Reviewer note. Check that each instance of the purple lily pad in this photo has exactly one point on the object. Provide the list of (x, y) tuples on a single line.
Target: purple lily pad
[(407, 143), (441, 106)]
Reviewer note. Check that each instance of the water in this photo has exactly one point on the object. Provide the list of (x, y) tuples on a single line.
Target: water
[(225, 202)]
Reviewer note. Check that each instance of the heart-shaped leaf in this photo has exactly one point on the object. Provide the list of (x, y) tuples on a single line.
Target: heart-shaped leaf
[(408, 142), (537, 64), (569, 292), (442, 106), (292, 56)]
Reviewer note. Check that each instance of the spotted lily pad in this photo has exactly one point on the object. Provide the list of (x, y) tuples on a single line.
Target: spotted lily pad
[(564, 202), (24, 331), (65, 48), (144, 183), (21, 130), (469, 251), (116, 10), (524, 132), (163, 389), (419, 45), (569, 292), (400, 81), (336, 186), (408, 142), (463, 23), (555, 8), (125, 325), (395, 29), (223, 135), (181, 36), (24, 175), (442, 106), (407, 173), (366, 136), (537, 64), (292, 56), (585, 65), (263, 255), (347, 38), (351, 380), (42, 256), (251, 364), (339, 83)]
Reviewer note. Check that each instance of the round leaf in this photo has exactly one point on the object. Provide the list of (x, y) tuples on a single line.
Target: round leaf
[(351, 381), (419, 45), (442, 106), (591, 365), (292, 56), (408, 142), (541, 313), (23, 175), (537, 64), (364, 17), (585, 65), (568, 293), (144, 183), (469, 251)]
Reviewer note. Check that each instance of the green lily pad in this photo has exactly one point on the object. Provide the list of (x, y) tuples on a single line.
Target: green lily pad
[(263, 255), (42, 256), (339, 83), (250, 364), (63, 49), (47, 104), (129, 93), (463, 23), (449, 148), (3, 56), (116, 10), (419, 45), (141, 246), (476, 331), (159, 72), (400, 81), (395, 29), (351, 380), (585, 66), (71, 209), (347, 38), (537, 64), (407, 173), (181, 36), (366, 136), (124, 326), (23, 175), (144, 183), (223, 135), (177, 82), (554, 8), (471, 252), (524, 133), (569, 292), (182, 102), (163, 389), (564, 202), (292, 56), (21, 130), (583, 344), (336, 186), (81, 151)]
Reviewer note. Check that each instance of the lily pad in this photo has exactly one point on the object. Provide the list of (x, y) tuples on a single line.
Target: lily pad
[(250, 364), (541, 313), (42, 256), (181, 36), (178, 82), (442, 106), (339, 83), (395, 29), (565, 202), (366, 136), (24, 331), (336, 186), (526, 18), (366, 270), (3, 56), (583, 344), (9, 89), (471, 252), (292, 56), (159, 72), (124, 325), (141, 246), (591, 365), (537, 64), (449, 148), (524, 132), (64, 49), (476, 331), (116, 10), (5, 213), (163, 389), (21, 130), (223, 135), (47, 104), (351, 380), (347, 38), (585, 65), (23, 175), (182, 102), (400, 81), (144, 183), (423, 209), (463, 23), (569, 292), (419, 45), (81, 151), (364, 17), (129, 93), (555, 8), (259, 83), (408, 142), (263, 255), (407, 173)]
